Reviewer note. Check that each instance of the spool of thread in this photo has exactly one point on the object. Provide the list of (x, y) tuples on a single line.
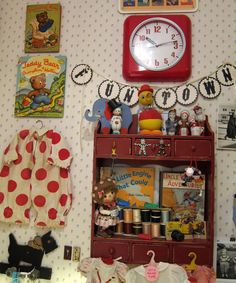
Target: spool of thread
[(119, 227), (155, 230), (156, 219), (137, 228), (127, 228), (145, 215), (128, 215), (163, 229), (156, 212), (146, 228), (136, 215), (121, 214), (165, 215)]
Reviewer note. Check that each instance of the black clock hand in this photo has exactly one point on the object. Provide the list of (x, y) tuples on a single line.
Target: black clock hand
[(163, 43), (151, 41)]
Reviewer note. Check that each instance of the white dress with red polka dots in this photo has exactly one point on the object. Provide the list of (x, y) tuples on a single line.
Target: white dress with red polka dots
[(35, 179)]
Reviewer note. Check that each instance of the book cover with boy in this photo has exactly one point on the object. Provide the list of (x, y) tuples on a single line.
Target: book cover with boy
[(42, 29), (186, 200), (40, 87), (135, 185)]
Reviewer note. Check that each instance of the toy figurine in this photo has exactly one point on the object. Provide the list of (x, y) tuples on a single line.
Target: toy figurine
[(162, 148), (190, 174), (145, 97), (200, 118), (184, 124), (104, 194), (142, 145), (31, 254), (102, 112), (150, 120), (116, 119), (171, 123)]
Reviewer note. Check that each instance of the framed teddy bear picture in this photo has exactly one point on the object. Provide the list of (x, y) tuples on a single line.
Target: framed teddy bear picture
[(40, 88), (42, 29)]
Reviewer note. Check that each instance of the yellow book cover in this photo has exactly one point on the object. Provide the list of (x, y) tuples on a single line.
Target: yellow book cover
[(135, 185)]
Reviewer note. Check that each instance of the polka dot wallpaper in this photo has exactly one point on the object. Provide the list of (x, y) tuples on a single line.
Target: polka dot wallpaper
[(92, 33)]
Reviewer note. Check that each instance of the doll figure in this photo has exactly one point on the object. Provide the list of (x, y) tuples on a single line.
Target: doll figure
[(183, 123), (116, 119), (171, 123), (200, 117), (150, 119), (104, 194)]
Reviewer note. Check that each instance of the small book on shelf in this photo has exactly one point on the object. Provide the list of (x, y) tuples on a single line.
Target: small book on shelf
[(135, 185), (186, 200)]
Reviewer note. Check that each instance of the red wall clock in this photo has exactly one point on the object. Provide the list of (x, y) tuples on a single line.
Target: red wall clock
[(157, 48)]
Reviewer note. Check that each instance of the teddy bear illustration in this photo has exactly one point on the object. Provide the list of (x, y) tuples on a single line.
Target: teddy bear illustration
[(42, 31), (39, 94), (44, 22)]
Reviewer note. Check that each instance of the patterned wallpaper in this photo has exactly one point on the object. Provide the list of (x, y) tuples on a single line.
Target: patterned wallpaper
[(91, 33)]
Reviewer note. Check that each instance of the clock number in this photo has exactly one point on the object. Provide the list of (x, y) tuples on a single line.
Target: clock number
[(148, 31), (157, 28), (157, 63), (165, 60), (173, 54), (142, 37), (176, 45), (173, 36)]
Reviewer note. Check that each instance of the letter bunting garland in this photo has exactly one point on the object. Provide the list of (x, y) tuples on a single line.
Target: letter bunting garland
[(209, 87)]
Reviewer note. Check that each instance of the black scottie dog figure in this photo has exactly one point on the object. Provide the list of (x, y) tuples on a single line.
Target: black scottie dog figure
[(32, 253)]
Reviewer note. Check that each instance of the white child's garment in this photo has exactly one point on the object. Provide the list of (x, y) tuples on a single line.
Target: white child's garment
[(168, 273), (96, 271), (35, 175)]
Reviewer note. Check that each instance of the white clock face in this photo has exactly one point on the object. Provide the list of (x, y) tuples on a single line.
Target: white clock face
[(157, 44)]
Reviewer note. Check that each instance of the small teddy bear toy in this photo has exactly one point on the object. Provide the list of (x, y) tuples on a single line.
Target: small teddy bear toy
[(104, 195)]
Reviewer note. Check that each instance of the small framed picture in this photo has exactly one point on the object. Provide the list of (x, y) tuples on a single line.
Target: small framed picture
[(160, 6), (226, 128), (226, 261)]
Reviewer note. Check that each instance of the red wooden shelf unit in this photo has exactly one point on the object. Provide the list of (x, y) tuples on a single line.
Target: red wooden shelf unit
[(182, 150)]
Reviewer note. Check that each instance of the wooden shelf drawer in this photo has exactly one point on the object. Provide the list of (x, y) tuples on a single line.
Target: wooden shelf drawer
[(104, 146), (195, 148), (139, 252), (153, 147), (113, 249), (180, 254)]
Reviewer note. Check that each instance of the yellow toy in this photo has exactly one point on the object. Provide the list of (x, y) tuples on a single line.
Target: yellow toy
[(150, 120)]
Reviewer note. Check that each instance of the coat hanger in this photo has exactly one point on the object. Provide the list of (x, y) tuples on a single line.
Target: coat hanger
[(192, 266), (41, 124), (152, 260), (151, 269)]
